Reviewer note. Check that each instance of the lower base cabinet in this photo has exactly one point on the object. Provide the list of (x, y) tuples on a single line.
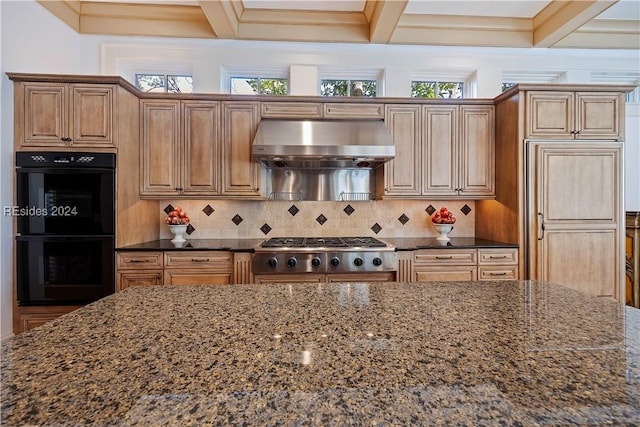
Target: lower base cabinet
[(445, 265), (324, 278), (26, 318)]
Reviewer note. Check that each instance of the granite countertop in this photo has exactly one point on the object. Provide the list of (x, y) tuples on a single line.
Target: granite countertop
[(461, 353), (248, 245)]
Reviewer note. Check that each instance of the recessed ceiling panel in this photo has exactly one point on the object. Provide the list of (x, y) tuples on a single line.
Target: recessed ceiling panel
[(331, 6), (511, 8), (624, 9)]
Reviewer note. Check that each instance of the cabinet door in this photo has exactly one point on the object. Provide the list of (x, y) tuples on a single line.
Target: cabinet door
[(599, 115), (440, 156), (92, 115), (476, 144), (160, 154), (42, 114), (550, 115), (240, 172), (201, 147), (402, 174), (575, 221)]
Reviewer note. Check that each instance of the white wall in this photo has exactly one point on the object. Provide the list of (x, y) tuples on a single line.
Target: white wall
[(33, 40)]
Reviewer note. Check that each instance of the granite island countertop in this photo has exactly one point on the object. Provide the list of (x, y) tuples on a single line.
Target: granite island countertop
[(461, 353)]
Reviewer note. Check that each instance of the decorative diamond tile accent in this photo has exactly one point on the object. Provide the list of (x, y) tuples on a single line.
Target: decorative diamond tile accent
[(465, 209), (321, 219), (237, 219), (403, 219), (349, 210), (168, 209), (190, 229), (376, 228), (293, 210), (208, 210), (430, 210), (265, 228)]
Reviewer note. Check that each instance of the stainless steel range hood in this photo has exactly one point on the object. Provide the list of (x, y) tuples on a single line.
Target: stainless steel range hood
[(322, 143)]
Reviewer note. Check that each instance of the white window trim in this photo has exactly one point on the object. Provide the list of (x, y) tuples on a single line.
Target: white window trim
[(352, 73), (226, 73)]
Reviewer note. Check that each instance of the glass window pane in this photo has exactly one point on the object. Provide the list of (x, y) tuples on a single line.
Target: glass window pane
[(506, 86), (334, 88), (423, 89), (274, 86), (244, 85), (180, 84), (150, 82), (450, 90), (363, 88)]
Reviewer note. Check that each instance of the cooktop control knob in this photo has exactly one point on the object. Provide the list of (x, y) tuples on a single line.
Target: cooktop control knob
[(291, 262), (335, 261), (358, 262), (315, 262), (377, 262), (272, 262)]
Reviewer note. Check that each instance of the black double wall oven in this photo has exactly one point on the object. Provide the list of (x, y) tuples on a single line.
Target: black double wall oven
[(66, 227)]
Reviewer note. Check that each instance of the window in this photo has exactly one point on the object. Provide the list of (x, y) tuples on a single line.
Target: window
[(435, 89), (164, 83), (506, 86), (366, 88), (259, 86)]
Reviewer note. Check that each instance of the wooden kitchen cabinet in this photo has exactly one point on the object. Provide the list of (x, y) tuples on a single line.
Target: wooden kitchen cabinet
[(64, 115), (402, 175), (198, 268), (180, 148), (291, 110), (575, 115), (341, 110), (443, 151), (241, 174), (139, 269), (458, 151), (465, 264)]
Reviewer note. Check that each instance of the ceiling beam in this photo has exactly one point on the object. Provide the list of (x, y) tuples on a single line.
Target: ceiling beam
[(224, 17), (604, 34), (384, 19), (66, 11), (560, 18)]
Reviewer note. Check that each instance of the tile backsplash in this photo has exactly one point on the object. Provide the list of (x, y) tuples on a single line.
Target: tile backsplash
[(225, 219)]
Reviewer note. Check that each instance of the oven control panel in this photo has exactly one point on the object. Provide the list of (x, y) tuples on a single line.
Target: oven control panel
[(324, 262)]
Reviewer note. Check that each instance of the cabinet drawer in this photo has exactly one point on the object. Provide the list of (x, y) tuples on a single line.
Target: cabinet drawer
[(283, 110), (353, 111), (446, 257), (182, 277), (448, 274), (139, 278), (210, 260), (139, 260), (501, 272), (497, 256)]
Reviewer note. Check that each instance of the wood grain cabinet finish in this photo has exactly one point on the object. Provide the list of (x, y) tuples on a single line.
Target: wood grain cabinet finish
[(64, 115), (240, 173), (575, 115), (291, 110), (465, 264), (198, 268), (403, 174), (180, 148), (139, 269), (353, 111)]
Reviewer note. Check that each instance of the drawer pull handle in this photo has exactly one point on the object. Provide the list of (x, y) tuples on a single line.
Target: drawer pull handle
[(444, 257), (497, 257), (140, 260), (199, 260), (498, 274)]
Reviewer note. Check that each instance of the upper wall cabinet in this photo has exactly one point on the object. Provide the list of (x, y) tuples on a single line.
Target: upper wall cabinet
[(180, 148), (239, 125), (64, 115), (443, 151), (575, 115)]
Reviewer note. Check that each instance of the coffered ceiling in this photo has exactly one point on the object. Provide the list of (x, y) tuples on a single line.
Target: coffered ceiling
[(607, 24)]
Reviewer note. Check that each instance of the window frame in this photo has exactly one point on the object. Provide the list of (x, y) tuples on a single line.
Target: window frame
[(165, 77), (437, 83), (349, 82), (259, 79)]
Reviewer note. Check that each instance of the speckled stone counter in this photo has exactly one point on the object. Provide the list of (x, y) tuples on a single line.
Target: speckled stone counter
[(494, 353), (414, 243), (233, 245)]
